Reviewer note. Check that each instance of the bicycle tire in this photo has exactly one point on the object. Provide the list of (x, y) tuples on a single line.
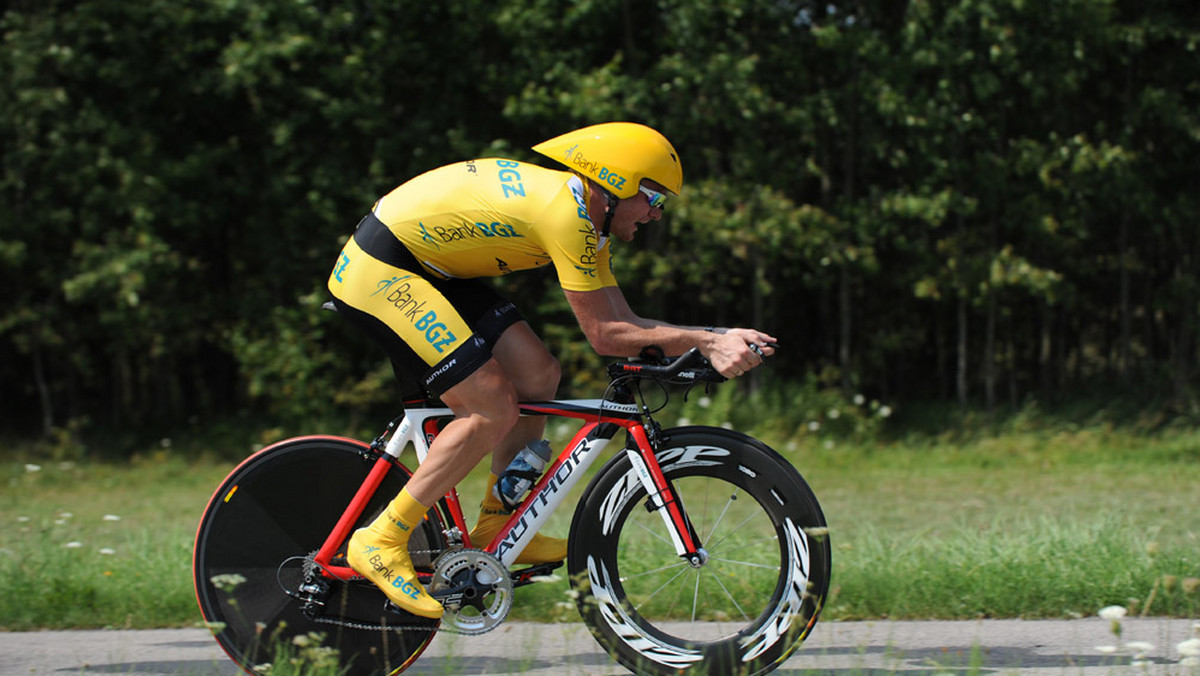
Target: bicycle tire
[(765, 581), (276, 507)]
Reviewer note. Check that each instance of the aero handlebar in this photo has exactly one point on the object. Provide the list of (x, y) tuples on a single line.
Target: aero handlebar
[(690, 367)]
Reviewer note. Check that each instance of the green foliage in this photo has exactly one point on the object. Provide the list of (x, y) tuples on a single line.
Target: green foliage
[(971, 201), (808, 415)]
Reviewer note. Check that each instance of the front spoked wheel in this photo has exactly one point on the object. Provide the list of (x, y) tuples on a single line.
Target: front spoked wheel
[(747, 605)]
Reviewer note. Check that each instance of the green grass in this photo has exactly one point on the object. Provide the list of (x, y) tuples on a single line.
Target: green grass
[(1031, 520), (85, 545)]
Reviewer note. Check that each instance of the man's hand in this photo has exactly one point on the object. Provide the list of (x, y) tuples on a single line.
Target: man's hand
[(733, 352)]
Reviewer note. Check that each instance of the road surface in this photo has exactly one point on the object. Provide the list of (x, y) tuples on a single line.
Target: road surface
[(1036, 648)]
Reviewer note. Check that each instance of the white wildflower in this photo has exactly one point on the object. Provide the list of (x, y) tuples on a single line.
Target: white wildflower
[(834, 414), (111, 517), (31, 468), (828, 444), (1112, 612), (1189, 648), (885, 411), (859, 399), (705, 402), (22, 519), (73, 545), (1106, 649), (108, 551), (227, 582), (814, 426), (682, 422)]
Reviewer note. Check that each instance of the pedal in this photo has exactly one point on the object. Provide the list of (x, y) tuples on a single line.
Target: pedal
[(525, 576)]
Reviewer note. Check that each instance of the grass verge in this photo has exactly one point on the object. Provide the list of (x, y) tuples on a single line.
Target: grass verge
[(1030, 522)]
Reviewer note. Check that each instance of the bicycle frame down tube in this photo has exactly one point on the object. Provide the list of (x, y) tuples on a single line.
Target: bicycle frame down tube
[(571, 464), (552, 489)]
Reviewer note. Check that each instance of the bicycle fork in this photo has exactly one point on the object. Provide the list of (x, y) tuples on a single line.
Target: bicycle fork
[(664, 499)]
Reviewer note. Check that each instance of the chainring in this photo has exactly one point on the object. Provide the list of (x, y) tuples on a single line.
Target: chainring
[(474, 587)]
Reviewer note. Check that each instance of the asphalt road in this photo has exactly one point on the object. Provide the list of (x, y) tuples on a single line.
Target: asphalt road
[(1037, 648)]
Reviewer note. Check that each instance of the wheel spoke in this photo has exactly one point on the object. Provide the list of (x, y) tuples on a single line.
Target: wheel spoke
[(721, 516), (655, 533), (661, 587), (695, 598), (753, 515), (728, 595), (745, 563), (680, 564)]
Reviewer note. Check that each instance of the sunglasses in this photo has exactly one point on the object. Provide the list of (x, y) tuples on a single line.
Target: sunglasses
[(655, 198)]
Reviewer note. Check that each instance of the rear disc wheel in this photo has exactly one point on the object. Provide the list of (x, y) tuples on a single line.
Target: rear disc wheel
[(255, 542)]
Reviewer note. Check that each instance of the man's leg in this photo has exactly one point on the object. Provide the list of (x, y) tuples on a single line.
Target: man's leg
[(485, 406), (534, 373), (485, 409)]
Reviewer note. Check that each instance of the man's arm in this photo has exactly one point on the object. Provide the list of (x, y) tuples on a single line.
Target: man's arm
[(613, 329)]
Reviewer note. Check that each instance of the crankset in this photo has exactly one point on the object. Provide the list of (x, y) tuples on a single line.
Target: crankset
[(475, 588)]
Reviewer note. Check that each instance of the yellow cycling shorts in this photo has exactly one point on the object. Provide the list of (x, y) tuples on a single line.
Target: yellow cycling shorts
[(438, 330)]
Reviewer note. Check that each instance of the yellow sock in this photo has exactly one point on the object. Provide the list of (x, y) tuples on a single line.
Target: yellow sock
[(492, 517), (379, 553)]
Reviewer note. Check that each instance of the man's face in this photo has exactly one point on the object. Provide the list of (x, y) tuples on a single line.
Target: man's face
[(634, 211)]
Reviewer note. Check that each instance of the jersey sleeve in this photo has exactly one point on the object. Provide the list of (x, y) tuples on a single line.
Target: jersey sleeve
[(582, 261)]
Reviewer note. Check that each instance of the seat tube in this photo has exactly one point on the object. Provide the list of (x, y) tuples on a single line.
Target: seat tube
[(341, 531), (662, 495)]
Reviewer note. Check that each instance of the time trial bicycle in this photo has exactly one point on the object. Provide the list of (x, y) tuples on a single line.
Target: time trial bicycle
[(696, 550)]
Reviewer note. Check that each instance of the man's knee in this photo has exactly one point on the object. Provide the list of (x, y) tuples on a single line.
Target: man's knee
[(488, 398), (543, 381)]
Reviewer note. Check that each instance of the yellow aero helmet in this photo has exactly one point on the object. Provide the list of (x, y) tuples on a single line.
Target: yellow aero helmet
[(618, 155)]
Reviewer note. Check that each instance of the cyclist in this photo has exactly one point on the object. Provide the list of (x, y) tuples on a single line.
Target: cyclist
[(409, 279)]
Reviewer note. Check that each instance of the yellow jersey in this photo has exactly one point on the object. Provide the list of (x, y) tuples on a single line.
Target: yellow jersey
[(490, 217)]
